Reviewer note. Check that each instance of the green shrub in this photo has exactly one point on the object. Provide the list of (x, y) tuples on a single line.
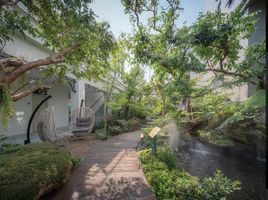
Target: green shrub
[(101, 134), (158, 122), (157, 174), (114, 130), (214, 137), (127, 125), (8, 148), (209, 105), (218, 187), (133, 124), (170, 182), (186, 185), (99, 124), (163, 186), (146, 131), (145, 155), (122, 122), (154, 165), (180, 115), (249, 110), (165, 154), (32, 168)]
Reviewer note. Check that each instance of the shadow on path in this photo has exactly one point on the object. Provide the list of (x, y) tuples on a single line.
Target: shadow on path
[(110, 170)]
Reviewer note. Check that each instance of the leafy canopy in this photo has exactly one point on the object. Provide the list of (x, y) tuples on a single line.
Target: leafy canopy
[(212, 43), (68, 28)]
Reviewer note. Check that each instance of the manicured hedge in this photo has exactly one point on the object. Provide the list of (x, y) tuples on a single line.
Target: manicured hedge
[(32, 170)]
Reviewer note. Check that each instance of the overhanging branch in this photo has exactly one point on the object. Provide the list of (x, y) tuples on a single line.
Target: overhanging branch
[(20, 95)]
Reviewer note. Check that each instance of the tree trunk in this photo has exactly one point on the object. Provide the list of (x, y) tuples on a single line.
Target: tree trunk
[(188, 107), (261, 82), (105, 118), (163, 106)]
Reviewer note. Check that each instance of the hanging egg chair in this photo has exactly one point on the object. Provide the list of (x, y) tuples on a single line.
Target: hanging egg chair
[(82, 121)]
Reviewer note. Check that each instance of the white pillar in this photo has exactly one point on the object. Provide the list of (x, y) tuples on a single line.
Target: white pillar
[(79, 95)]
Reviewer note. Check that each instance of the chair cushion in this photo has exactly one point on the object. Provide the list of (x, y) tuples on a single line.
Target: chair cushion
[(80, 129), (82, 121)]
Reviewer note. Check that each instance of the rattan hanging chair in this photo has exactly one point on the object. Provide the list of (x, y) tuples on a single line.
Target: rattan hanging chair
[(82, 121), (46, 127)]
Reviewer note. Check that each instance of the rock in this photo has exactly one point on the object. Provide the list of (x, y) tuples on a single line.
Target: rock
[(244, 133)]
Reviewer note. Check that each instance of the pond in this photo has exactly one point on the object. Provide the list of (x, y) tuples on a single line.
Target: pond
[(202, 159)]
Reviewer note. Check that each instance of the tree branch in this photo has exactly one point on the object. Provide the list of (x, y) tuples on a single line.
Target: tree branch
[(11, 62), (24, 85), (54, 59), (228, 73), (21, 95), (28, 66)]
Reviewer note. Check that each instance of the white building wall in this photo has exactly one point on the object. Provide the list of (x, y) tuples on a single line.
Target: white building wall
[(79, 95), (59, 101), (25, 48), (211, 5), (19, 121), (93, 98), (36, 99)]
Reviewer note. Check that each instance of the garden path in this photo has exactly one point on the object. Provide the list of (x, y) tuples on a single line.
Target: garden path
[(110, 170)]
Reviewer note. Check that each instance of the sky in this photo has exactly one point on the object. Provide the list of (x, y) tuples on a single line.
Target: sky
[(112, 11)]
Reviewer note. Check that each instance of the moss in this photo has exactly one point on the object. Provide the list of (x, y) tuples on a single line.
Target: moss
[(32, 168)]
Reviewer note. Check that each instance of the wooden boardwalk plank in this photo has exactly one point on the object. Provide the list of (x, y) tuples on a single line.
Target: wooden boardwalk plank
[(109, 171)]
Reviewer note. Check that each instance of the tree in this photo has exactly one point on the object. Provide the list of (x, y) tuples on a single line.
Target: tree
[(116, 62), (128, 103), (217, 42), (80, 45), (160, 82), (211, 44)]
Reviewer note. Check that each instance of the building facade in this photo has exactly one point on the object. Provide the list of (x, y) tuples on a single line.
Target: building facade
[(65, 97)]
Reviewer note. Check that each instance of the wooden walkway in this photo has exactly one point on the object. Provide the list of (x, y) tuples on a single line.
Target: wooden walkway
[(109, 171)]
